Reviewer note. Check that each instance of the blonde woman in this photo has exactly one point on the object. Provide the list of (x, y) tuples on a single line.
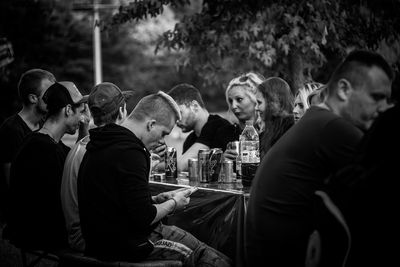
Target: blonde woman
[(300, 103), (241, 98)]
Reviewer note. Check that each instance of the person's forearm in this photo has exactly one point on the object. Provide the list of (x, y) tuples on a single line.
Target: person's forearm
[(164, 209), (82, 131)]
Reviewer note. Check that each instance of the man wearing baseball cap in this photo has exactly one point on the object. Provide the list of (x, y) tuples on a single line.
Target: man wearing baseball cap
[(107, 104), (36, 220)]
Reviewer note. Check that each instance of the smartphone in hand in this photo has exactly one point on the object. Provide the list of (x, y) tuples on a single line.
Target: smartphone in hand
[(191, 190)]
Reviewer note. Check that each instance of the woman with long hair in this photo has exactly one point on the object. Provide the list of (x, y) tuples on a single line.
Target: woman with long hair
[(275, 105)]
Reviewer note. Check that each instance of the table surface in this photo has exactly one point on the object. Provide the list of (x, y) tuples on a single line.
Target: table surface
[(183, 181)]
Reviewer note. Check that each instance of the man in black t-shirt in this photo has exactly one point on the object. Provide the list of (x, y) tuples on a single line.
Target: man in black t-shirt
[(35, 217), (31, 87), (195, 118)]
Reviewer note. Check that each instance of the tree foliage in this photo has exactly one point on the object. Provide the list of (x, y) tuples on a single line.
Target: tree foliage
[(291, 39), (50, 35)]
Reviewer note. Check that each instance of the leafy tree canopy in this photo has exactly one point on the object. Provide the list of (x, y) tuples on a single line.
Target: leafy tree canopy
[(291, 39), (51, 35)]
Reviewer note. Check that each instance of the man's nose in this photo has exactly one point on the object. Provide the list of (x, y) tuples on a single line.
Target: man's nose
[(384, 105)]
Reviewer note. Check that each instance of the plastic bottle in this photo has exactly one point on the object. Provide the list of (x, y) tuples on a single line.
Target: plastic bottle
[(249, 153)]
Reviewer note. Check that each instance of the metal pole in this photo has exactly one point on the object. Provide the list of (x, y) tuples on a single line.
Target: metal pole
[(96, 44)]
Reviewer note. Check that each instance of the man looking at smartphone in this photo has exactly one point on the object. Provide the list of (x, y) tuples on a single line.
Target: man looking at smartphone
[(119, 218)]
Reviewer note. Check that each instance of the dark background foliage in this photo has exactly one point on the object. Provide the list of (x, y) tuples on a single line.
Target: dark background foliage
[(213, 41)]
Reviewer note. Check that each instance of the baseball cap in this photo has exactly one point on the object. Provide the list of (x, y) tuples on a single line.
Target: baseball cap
[(106, 98), (60, 94)]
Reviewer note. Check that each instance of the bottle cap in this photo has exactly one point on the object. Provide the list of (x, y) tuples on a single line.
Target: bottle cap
[(249, 122)]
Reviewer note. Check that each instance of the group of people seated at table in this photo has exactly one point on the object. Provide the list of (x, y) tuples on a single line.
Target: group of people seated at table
[(95, 197)]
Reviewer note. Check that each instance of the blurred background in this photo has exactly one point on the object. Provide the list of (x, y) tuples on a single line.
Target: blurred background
[(152, 45)]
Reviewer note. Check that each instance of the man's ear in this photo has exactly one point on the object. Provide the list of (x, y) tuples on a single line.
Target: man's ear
[(345, 89), (194, 105), (33, 99), (68, 110), (122, 113), (150, 124)]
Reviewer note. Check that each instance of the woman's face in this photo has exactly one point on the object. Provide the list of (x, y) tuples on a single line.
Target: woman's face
[(299, 108), (260, 104), (240, 103)]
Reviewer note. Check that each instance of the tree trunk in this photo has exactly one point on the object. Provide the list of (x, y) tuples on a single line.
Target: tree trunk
[(295, 71)]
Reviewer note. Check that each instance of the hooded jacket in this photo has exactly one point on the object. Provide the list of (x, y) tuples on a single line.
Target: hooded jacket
[(114, 199)]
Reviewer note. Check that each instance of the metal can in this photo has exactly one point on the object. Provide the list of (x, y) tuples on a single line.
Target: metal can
[(214, 164), (203, 156), (227, 170), (235, 145), (193, 165), (171, 164)]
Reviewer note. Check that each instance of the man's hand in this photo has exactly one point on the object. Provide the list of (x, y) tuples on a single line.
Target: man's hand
[(182, 199), (84, 123), (162, 197), (85, 115), (160, 149), (230, 154), (170, 202)]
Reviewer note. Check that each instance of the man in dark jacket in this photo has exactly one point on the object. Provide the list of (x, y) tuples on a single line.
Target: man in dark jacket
[(120, 219)]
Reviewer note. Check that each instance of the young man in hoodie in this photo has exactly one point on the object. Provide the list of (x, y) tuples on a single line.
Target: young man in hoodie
[(107, 104), (120, 219)]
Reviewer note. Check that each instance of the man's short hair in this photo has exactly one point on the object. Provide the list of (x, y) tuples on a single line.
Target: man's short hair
[(185, 93), (30, 82), (61, 94), (104, 102), (158, 106), (355, 66)]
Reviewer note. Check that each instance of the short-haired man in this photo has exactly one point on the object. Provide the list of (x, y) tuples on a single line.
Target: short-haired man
[(35, 215), (120, 220), (279, 218), (196, 118), (31, 87), (107, 104)]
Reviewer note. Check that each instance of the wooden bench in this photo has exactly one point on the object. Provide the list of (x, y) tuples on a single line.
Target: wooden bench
[(74, 259), (69, 258)]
